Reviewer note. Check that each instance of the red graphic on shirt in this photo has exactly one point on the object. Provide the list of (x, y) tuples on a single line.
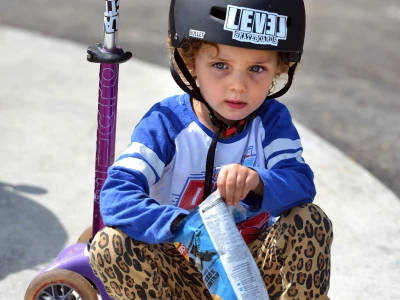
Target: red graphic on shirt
[(192, 194)]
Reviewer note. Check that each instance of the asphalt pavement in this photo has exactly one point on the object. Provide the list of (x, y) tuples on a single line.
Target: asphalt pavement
[(347, 89), (48, 110)]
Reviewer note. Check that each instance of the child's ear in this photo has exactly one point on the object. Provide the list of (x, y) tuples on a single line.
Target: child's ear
[(192, 70)]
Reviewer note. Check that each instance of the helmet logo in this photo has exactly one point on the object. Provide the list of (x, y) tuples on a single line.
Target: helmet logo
[(196, 33), (255, 26)]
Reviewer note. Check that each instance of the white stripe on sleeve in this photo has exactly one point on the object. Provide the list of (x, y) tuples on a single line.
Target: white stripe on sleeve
[(281, 145), (148, 154), (273, 161), (138, 165)]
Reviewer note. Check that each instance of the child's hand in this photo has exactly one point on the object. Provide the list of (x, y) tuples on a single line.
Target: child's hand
[(235, 181)]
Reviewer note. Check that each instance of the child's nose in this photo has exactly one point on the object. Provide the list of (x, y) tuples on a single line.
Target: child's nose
[(238, 82)]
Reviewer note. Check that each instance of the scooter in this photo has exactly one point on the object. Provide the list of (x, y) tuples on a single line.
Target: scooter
[(70, 276)]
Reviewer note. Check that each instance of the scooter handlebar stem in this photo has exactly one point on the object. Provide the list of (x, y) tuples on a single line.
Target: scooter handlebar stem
[(109, 55)]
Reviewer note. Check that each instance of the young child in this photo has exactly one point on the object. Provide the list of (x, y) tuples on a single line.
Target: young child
[(226, 133)]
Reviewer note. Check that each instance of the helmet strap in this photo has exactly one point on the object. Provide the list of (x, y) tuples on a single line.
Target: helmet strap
[(283, 90), (237, 128), (194, 91)]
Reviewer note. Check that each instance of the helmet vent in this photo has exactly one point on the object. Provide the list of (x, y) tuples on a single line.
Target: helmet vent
[(218, 13)]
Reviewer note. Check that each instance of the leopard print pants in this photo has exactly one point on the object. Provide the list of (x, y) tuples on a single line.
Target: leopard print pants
[(293, 257)]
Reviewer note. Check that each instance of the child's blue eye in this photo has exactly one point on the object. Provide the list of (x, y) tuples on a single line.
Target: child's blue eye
[(257, 69), (220, 65)]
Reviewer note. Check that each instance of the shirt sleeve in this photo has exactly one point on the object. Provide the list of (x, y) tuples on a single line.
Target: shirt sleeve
[(288, 180), (124, 199)]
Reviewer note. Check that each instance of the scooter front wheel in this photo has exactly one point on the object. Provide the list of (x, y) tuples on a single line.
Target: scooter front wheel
[(60, 284), (86, 235)]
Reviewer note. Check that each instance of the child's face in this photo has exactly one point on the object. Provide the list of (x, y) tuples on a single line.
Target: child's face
[(234, 81)]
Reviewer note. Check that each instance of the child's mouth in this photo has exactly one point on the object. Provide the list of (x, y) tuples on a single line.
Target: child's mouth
[(235, 104)]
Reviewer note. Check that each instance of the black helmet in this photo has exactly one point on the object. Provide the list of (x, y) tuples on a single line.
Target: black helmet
[(257, 24)]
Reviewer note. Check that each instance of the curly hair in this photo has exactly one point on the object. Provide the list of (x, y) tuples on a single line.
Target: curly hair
[(191, 47)]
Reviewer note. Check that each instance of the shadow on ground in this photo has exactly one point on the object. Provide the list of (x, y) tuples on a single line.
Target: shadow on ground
[(30, 233)]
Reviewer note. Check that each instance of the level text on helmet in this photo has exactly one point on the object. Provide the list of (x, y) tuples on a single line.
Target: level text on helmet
[(255, 26)]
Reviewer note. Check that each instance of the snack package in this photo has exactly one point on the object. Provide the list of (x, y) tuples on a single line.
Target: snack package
[(210, 240)]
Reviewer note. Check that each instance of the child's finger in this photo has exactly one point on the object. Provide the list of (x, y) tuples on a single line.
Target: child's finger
[(226, 183), (230, 186), (239, 188), (221, 182), (249, 185)]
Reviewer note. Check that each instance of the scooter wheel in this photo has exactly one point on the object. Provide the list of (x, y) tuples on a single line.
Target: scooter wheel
[(86, 235), (60, 284)]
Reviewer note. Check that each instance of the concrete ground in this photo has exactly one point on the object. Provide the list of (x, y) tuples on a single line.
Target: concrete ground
[(48, 109)]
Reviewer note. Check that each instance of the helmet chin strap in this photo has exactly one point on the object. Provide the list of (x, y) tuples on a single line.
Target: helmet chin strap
[(194, 91), (222, 127), (288, 84)]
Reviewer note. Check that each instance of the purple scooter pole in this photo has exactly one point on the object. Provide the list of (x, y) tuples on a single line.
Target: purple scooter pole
[(109, 55), (105, 143)]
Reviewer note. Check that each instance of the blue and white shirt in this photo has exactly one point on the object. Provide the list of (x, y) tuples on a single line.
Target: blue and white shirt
[(161, 174)]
